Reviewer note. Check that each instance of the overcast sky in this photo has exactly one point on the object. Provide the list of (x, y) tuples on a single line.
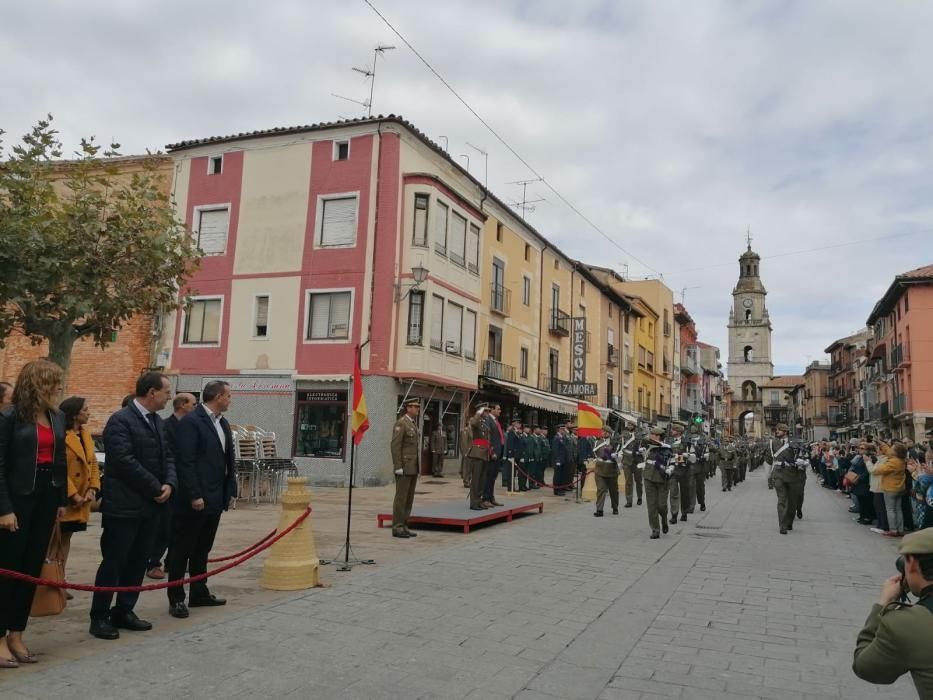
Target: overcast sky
[(672, 125)]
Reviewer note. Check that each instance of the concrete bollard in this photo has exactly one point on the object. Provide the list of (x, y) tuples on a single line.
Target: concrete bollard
[(292, 563)]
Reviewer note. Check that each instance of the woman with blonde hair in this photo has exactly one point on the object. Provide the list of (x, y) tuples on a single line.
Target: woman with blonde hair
[(83, 472), (33, 485)]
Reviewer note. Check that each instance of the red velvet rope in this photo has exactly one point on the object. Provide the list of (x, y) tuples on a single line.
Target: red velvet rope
[(243, 551), (540, 483), (16, 575)]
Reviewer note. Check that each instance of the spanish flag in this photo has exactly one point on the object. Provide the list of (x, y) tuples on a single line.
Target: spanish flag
[(589, 422), (360, 422)]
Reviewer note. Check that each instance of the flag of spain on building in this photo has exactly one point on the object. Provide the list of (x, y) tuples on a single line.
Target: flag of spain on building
[(589, 422), (360, 419)]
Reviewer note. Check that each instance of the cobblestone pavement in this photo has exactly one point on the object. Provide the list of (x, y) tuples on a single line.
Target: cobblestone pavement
[(559, 605)]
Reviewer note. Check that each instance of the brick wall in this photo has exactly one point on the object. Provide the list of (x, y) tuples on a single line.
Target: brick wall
[(103, 377)]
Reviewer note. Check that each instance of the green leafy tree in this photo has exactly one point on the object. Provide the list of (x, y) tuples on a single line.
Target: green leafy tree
[(85, 244)]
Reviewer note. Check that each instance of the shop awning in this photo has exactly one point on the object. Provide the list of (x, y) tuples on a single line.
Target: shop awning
[(535, 398)]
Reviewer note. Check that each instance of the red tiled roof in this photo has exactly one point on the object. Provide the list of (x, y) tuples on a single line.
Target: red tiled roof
[(787, 380), (926, 271)]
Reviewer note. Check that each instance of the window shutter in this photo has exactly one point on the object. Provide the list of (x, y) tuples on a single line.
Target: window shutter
[(212, 231), (453, 323), (211, 332), (320, 316), (338, 222), (262, 316), (339, 315), (457, 242), (469, 335), (440, 228), (437, 319), (473, 249), (421, 220)]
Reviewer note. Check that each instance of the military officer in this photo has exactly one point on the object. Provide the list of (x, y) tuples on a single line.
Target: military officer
[(526, 471), (629, 456), (404, 449), (712, 458), (727, 463), (657, 476), (514, 454), (478, 455), (741, 460), (544, 454), (438, 450), (897, 638), (607, 475), (680, 482), (698, 475), (466, 439), (561, 455), (787, 477)]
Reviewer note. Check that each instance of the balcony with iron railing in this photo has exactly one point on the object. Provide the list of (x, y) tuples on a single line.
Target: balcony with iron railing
[(900, 357), (628, 363), (559, 322), (500, 299), (547, 382), (667, 368), (619, 403), (612, 356), (667, 329), (498, 370), (666, 410), (900, 405), (689, 364)]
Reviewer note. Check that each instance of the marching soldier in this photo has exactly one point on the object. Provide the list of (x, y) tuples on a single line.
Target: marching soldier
[(712, 458), (629, 455), (438, 450), (477, 456), (404, 449), (657, 475), (727, 462), (682, 455), (606, 472), (787, 476)]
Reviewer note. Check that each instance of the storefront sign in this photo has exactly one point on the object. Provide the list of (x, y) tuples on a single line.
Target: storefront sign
[(255, 384), (322, 396), (576, 389), (578, 349)]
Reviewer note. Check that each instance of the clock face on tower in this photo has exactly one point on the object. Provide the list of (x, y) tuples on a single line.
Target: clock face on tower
[(747, 303)]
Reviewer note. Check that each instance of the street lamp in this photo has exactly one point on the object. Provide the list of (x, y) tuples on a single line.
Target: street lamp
[(419, 274)]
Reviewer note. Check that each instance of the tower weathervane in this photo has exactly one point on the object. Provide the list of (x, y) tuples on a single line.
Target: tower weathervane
[(748, 237)]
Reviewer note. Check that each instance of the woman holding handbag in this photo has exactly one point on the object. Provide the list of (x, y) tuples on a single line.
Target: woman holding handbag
[(33, 486), (83, 472)]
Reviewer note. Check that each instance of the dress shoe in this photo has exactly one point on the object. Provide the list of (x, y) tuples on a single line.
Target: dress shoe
[(702, 506), (598, 514), (407, 532), (400, 534), (102, 629), (129, 621), (683, 517), (615, 511), (487, 504), (497, 504), (213, 601), (654, 536), (639, 501), (664, 525), (628, 505), (723, 490), (674, 519), (800, 513), (156, 572), (179, 610), (477, 508), (790, 526), (783, 531)]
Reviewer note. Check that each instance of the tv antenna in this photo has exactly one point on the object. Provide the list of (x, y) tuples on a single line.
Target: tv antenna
[(446, 143), (485, 156), (370, 73), (683, 293), (467, 156), (526, 205)]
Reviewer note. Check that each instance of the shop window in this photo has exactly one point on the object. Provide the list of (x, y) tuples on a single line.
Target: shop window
[(321, 424)]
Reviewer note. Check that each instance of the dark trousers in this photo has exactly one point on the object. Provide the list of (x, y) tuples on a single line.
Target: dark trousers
[(163, 535), (477, 470), (561, 478), (192, 539), (521, 469), (492, 471), (124, 546), (728, 477), (866, 507), (437, 464), (24, 550), (881, 512), (507, 474), (403, 501)]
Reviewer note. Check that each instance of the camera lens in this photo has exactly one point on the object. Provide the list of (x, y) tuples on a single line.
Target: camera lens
[(900, 565)]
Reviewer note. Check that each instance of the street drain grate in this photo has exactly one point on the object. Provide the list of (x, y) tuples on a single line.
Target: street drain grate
[(709, 534)]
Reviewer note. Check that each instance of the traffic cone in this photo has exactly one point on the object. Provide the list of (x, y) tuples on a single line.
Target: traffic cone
[(292, 563)]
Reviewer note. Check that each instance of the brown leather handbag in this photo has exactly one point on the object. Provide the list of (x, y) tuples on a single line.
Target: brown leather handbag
[(49, 600)]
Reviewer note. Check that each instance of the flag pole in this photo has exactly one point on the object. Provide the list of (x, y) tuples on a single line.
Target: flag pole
[(348, 563)]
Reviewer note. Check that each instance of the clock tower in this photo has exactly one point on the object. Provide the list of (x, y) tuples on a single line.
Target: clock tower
[(749, 364)]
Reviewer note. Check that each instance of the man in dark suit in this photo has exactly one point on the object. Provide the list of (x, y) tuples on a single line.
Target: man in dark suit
[(561, 457), (182, 405), (497, 449), (140, 479), (207, 488)]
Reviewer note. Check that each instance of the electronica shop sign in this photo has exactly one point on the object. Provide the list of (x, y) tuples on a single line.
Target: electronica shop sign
[(577, 386)]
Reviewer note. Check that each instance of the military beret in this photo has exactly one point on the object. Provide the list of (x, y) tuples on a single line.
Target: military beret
[(920, 542)]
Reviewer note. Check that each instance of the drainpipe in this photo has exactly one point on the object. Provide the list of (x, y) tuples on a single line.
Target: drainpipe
[(544, 331), (372, 282)]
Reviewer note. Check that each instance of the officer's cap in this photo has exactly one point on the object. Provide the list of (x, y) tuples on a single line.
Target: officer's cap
[(412, 402), (920, 542), (482, 404), (782, 427), (656, 430)]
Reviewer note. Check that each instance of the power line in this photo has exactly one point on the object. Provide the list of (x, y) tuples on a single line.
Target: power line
[(501, 140)]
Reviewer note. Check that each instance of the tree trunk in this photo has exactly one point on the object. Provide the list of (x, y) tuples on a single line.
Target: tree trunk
[(61, 342)]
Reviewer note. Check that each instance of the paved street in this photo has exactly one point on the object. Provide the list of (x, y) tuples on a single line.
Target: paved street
[(559, 605)]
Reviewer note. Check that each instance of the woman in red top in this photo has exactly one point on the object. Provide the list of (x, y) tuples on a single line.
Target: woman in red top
[(33, 489)]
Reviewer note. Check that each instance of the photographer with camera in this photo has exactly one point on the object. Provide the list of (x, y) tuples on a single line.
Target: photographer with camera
[(898, 637)]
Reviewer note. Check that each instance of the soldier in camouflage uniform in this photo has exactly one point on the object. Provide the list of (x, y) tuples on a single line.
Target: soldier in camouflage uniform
[(657, 476), (681, 483), (698, 471)]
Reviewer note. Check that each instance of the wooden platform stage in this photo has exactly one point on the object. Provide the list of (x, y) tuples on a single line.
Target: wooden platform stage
[(458, 513)]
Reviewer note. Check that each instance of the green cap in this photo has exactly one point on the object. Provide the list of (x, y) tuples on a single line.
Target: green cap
[(917, 542)]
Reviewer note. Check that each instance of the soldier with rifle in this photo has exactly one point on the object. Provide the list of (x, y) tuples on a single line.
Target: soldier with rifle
[(698, 474), (628, 456), (657, 475), (681, 481), (787, 476)]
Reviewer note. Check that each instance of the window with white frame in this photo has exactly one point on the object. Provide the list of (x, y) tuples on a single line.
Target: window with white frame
[(338, 222), (453, 328), (213, 223), (202, 322), (415, 317), (215, 165), (437, 322), (469, 334), (420, 234), (261, 316), (440, 228), (341, 150), (329, 315), (526, 290), (456, 243), (473, 249)]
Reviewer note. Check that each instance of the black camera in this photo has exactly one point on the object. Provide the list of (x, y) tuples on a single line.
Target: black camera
[(901, 565)]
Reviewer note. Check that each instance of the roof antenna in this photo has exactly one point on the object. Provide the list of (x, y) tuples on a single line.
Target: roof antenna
[(527, 205), (371, 74), (485, 156)]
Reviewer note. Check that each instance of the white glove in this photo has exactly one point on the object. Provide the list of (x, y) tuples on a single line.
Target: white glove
[(399, 472), (802, 463), (693, 459)]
